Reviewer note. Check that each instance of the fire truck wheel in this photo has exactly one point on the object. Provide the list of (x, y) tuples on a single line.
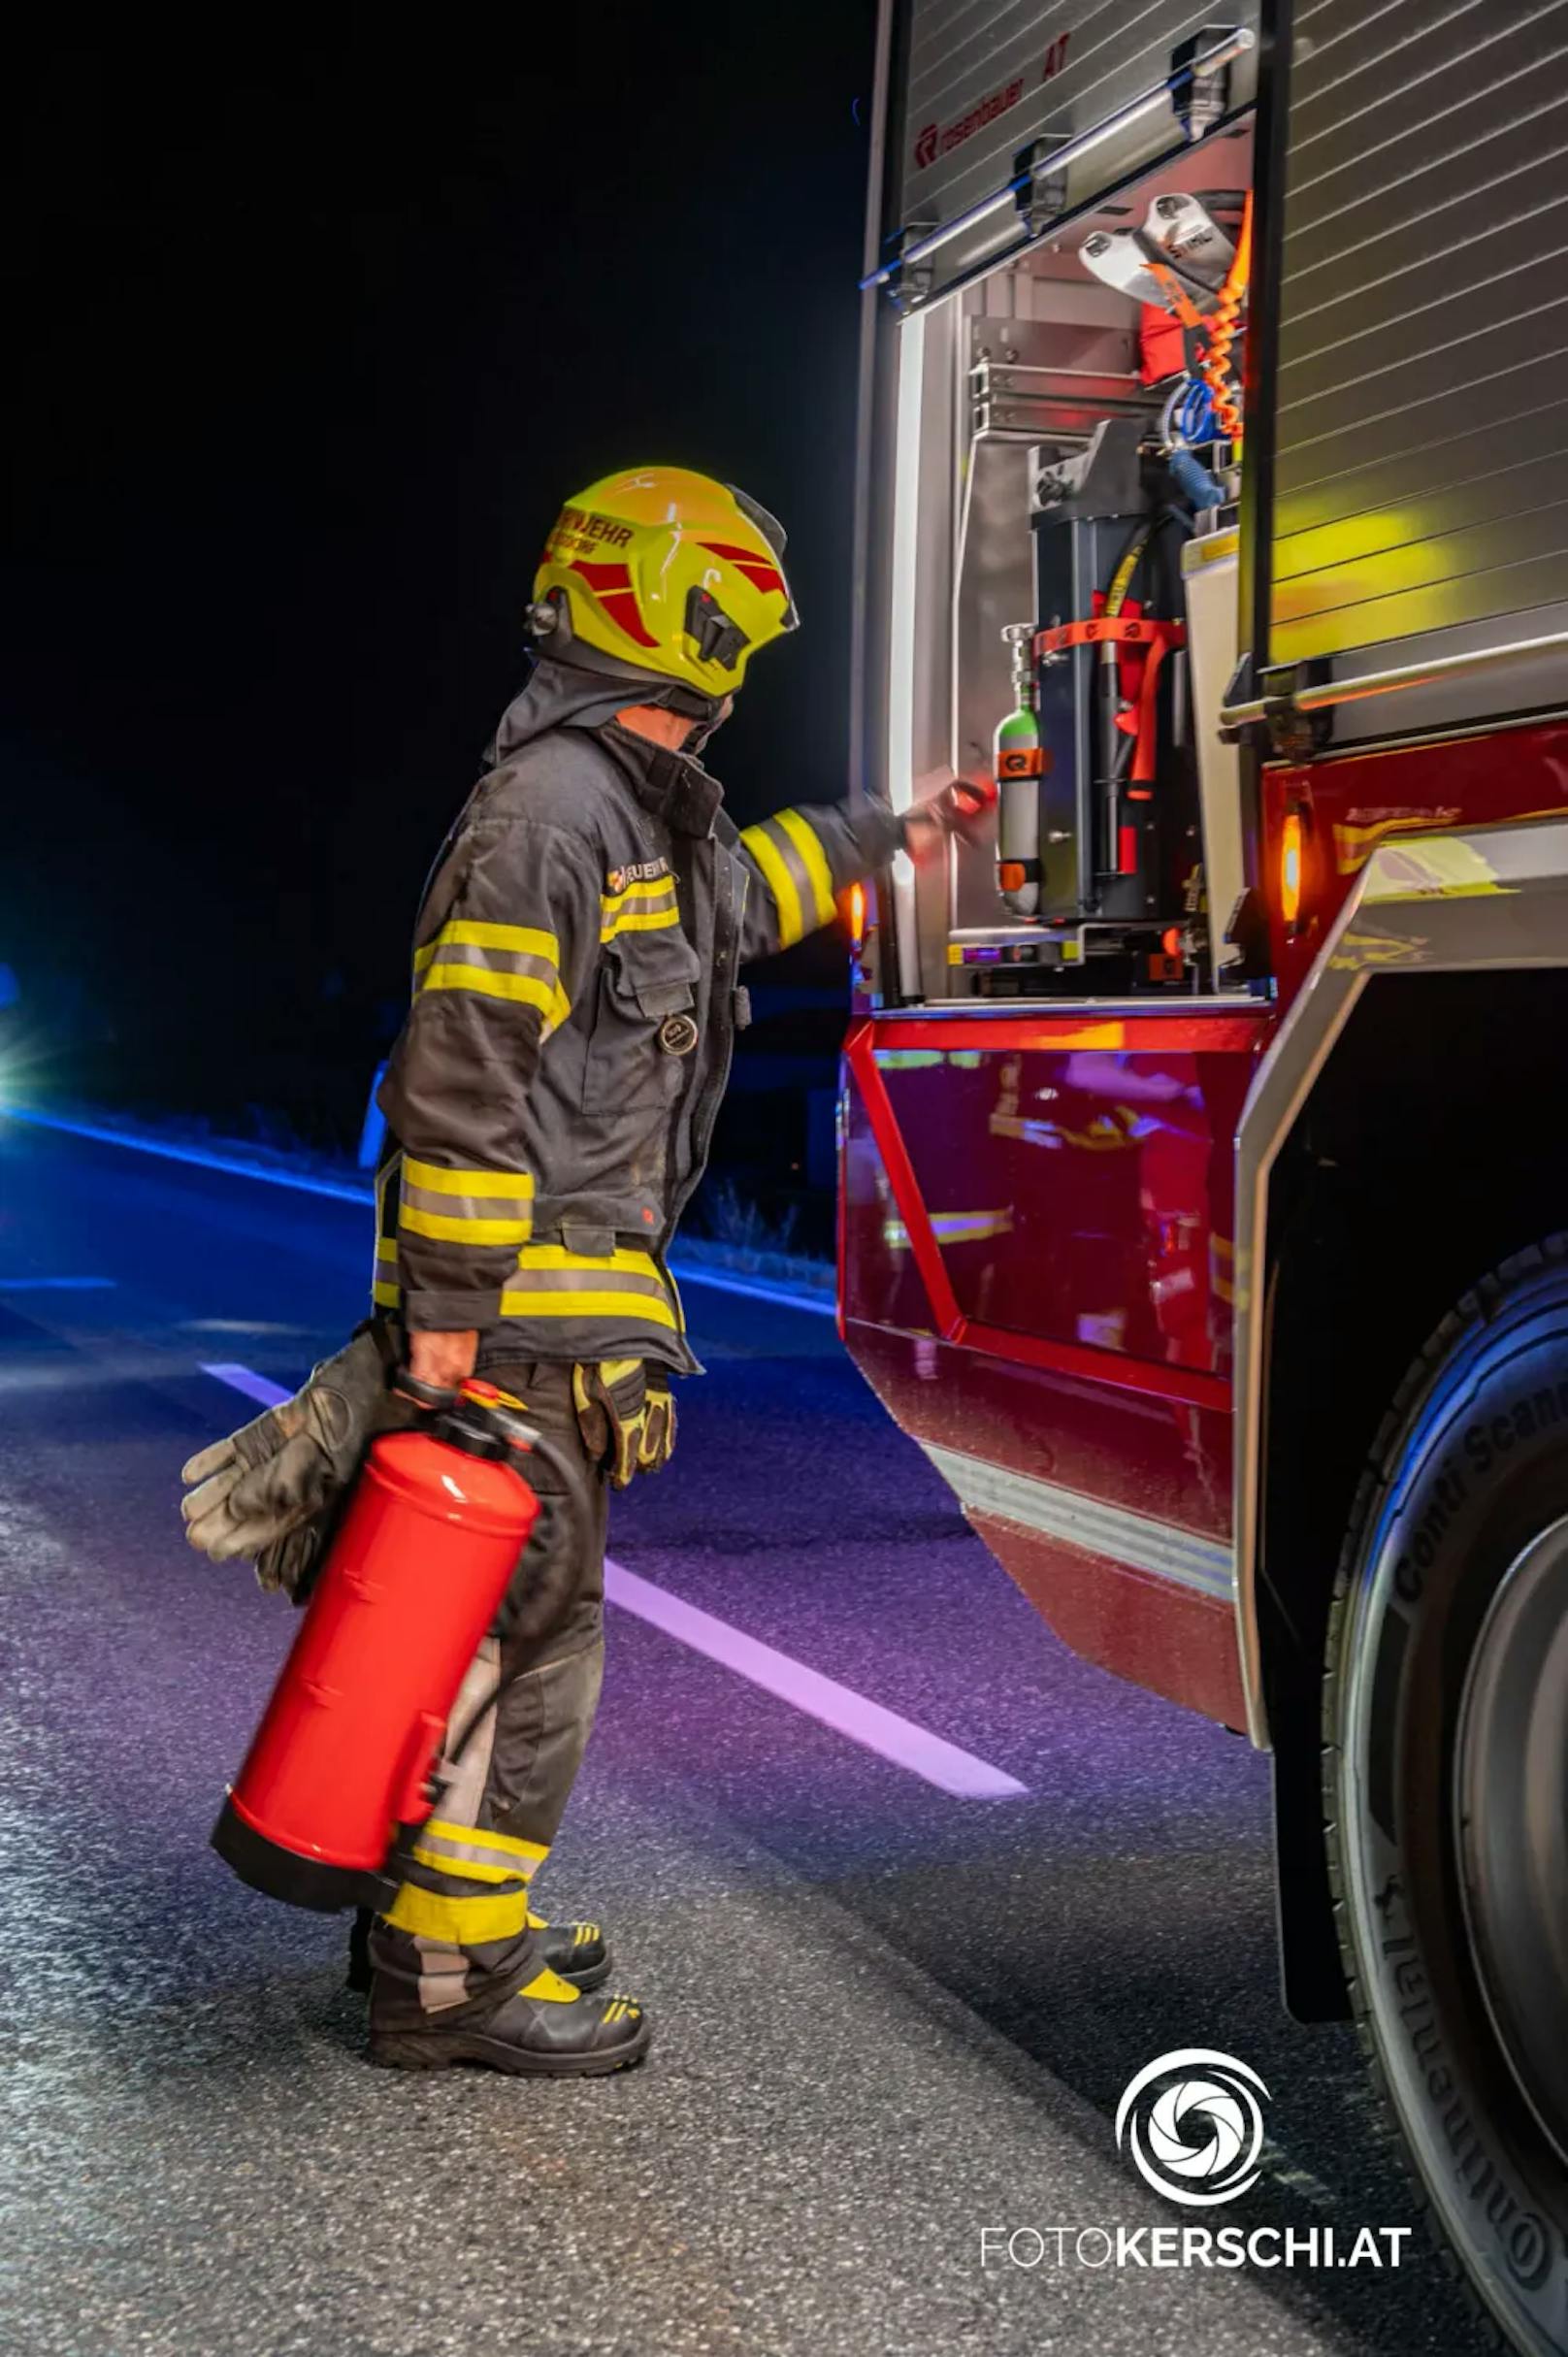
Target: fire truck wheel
[(1445, 1784)]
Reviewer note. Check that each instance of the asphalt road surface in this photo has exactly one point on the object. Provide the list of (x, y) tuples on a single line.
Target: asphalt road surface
[(890, 2013)]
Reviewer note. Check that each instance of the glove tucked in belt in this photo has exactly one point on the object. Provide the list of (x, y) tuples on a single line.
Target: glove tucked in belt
[(626, 1416), (271, 1489)]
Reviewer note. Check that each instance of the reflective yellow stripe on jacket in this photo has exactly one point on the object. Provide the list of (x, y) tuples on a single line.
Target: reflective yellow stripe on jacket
[(795, 869), (515, 962), (480, 1207), (550, 1282), (641, 908), (386, 1289), (623, 1289)]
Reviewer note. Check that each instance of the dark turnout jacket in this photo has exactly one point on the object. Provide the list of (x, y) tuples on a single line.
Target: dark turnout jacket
[(577, 992)]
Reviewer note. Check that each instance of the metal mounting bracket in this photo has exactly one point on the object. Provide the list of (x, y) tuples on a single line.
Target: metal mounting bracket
[(1040, 180), (908, 281)]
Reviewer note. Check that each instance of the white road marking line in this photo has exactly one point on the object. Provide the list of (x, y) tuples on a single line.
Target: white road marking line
[(865, 1722), (57, 1285), (339, 1190), (242, 1379), (868, 1723), (241, 1326)]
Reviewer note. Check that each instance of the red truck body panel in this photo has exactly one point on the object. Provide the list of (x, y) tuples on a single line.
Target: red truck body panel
[(1356, 802), (1038, 1215), (1037, 1226)]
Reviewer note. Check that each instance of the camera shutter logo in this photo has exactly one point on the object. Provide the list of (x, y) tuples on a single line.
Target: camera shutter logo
[(1193, 2124)]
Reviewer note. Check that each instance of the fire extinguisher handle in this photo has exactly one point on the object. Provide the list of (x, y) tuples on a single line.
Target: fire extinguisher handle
[(433, 1395)]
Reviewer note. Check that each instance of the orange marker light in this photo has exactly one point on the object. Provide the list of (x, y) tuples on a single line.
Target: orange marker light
[(857, 913), (1290, 867)]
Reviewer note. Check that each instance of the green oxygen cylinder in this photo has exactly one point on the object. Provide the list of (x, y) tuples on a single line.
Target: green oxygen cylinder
[(1019, 765)]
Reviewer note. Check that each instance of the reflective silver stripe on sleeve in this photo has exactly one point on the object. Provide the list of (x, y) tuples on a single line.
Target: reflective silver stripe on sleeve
[(476, 1208), (514, 962), (493, 961), (512, 1211), (587, 1281)]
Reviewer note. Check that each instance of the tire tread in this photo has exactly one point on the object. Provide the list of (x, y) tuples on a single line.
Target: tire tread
[(1478, 1306)]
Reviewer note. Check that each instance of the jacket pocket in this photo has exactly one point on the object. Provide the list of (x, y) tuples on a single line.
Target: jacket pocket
[(644, 1022)]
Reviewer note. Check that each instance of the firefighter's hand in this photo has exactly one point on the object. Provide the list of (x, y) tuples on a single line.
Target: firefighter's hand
[(273, 1485), (961, 807), (626, 1416), (442, 1360)]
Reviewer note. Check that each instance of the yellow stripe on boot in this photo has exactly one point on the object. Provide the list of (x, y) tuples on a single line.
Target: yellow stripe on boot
[(549, 1985)]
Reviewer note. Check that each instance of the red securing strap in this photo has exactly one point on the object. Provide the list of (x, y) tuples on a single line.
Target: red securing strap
[(1137, 631)]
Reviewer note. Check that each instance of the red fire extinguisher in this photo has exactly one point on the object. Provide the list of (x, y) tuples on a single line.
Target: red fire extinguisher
[(345, 1762)]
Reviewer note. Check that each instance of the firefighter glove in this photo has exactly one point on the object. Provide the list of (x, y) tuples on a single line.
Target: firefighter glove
[(626, 1416), (962, 807), (271, 1489)]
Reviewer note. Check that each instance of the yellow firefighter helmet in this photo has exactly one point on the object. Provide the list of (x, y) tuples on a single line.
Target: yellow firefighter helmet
[(671, 573)]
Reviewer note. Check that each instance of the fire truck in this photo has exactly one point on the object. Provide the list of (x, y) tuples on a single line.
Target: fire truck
[(1201, 1215)]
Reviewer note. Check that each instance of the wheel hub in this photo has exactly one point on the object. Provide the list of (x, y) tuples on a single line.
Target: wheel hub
[(1511, 1798)]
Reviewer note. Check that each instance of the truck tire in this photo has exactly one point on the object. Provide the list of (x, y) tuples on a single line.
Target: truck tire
[(1445, 1788)]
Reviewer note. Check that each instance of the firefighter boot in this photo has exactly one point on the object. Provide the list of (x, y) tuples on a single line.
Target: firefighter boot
[(578, 1952), (548, 2030)]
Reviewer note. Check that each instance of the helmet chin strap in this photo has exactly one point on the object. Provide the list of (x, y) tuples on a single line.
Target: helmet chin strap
[(549, 625), (704, 728)]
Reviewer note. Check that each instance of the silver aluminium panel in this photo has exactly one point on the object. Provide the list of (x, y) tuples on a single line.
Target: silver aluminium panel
[(1422, 423), (982, 79)]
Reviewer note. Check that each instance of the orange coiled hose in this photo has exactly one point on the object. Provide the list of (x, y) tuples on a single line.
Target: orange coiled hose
[(1225, 326)]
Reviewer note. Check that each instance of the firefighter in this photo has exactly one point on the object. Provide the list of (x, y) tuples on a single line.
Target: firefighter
[(549, 1106)]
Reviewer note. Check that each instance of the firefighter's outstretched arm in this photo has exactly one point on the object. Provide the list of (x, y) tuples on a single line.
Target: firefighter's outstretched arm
[(802, 859), (516, 941)]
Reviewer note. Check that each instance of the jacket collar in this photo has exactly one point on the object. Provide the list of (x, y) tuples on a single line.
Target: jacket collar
[(674, 786)]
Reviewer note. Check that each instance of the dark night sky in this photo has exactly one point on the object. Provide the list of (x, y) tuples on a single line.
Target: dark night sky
[(308, 339)]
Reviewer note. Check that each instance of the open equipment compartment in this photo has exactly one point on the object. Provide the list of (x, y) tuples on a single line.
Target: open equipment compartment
[(1048, 516)]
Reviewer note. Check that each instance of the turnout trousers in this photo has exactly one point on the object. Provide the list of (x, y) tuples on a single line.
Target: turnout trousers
[(461, 1936)]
